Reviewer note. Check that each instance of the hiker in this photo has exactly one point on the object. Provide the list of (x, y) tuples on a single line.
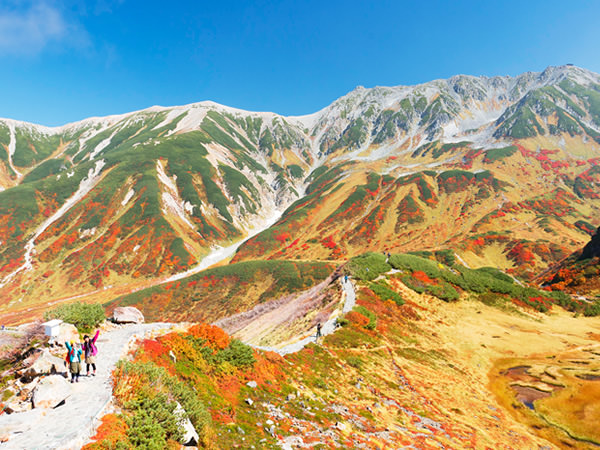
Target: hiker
[(345, 278), (90, 351), (74, 359), (319, 330)]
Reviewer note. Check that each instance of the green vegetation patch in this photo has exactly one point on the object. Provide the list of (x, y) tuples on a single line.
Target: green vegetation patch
[(368, 266), (496, 154), (84, 316), (385, 292)]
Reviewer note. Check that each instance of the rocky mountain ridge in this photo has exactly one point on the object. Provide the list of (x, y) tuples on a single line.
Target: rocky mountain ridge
[(112, 203)]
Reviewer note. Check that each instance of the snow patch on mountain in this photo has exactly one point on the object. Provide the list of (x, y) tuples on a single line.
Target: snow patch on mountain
[(101, 146), (11, 147), (128, 196)]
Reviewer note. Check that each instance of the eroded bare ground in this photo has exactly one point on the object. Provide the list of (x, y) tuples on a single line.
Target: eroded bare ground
[(286, 318)]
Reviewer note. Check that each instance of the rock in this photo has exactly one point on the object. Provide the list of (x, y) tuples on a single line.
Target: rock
[(51, 391), (269, 422), (249, 401), (67, 333), (341, 426), (127, 314), (190, 436), (290, 397), (252, 384), (172, 356), (47, 363)]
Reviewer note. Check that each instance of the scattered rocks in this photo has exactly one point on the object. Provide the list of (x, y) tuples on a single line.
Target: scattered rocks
[(127, 314), (249, 401), (51, 391), (252, 384)]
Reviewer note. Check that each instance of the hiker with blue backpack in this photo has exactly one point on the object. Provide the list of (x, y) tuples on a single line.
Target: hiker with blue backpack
[(74, 360)]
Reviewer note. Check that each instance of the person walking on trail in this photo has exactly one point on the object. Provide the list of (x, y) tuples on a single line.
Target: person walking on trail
[(318, 331), (74, 359), (345, 278), (90, 351)]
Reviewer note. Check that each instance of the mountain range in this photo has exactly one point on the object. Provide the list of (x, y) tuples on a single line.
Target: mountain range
[(502, 171)]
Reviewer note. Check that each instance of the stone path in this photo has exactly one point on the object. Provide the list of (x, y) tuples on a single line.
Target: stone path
[(69, 426), (327, 328)]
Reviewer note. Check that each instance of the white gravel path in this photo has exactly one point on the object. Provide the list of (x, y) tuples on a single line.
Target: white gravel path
[(71, 425), (327, 328)]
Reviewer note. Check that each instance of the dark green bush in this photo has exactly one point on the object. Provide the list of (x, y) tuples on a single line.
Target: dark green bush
[(384, 292), (443, 291), (237, 354), (84, 316), (341, 321), (153, 421), (368, 266), (415, 263), (591, 310), (160, 386)]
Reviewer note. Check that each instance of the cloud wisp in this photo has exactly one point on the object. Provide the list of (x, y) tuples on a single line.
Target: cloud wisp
[(28, 30)]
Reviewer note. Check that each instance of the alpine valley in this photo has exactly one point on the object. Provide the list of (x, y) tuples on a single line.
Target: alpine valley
[(484, 193)]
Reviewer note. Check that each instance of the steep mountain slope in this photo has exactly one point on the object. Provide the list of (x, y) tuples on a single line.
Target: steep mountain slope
[(502, 170), (578, 274), (144, 195)]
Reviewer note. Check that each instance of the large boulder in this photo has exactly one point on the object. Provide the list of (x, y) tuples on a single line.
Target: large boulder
[(127, 314), (47, 363), (67, 333), (190, 435), (51, 391)]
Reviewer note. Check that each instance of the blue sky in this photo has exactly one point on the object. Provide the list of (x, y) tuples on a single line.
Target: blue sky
[(64, 61)]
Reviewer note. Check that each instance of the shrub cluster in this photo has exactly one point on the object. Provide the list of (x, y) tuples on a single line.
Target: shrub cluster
[(369, 315), (84, 316), (368, 266), (442, 281), (150, 397), (384, 292)]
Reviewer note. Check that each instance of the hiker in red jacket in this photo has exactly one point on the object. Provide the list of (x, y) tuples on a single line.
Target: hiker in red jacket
[(90, 350)]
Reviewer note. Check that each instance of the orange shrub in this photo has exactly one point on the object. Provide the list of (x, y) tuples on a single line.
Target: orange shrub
[(215, 337), (357, 319), (112, 429)]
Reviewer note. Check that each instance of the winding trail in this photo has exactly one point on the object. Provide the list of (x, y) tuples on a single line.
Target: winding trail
[(72, 424), (327, 328)]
